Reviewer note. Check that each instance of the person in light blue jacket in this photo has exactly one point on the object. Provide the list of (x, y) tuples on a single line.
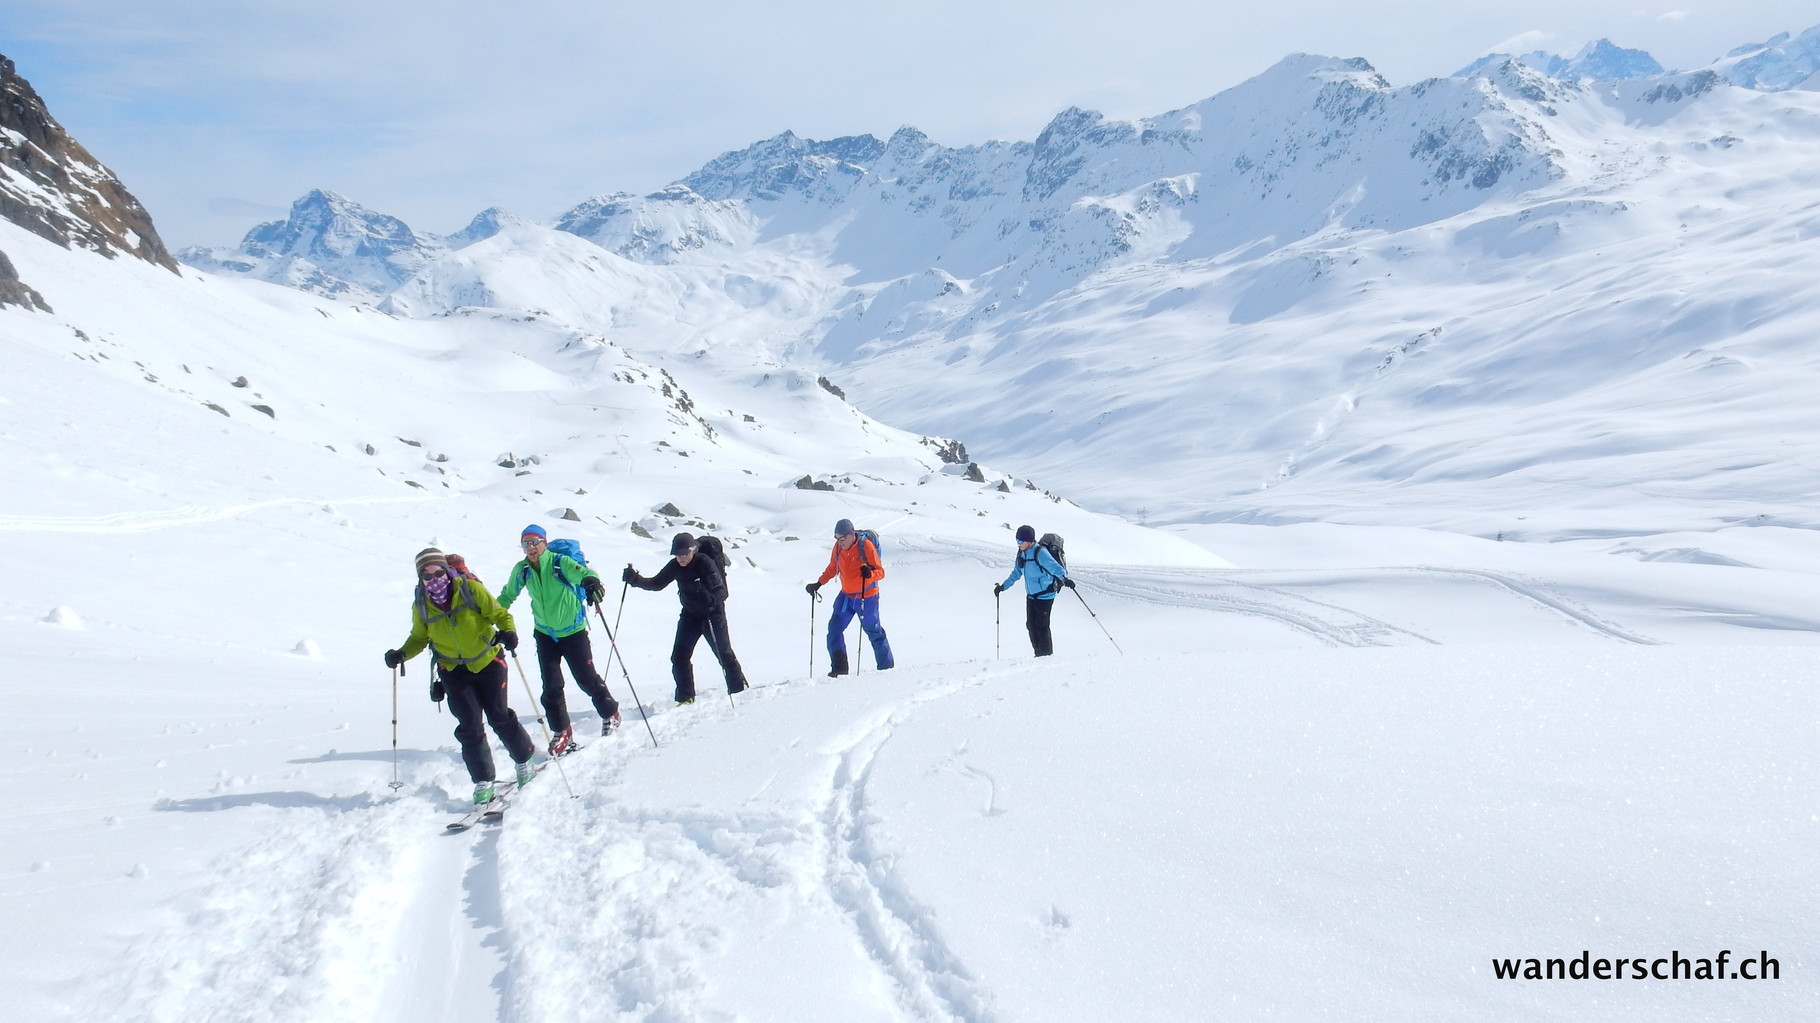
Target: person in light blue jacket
[(1043, 578)]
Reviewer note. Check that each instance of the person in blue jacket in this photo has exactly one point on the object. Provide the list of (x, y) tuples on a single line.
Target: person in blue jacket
[(1043, 578)]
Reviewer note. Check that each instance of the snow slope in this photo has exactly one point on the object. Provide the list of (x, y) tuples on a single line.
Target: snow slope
[(1336, 781)]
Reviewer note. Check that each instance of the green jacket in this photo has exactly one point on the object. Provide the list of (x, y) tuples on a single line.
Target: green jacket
[(555, 606), (462, 635)]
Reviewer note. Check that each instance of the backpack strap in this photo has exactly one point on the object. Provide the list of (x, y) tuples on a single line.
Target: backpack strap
[(432, 613)]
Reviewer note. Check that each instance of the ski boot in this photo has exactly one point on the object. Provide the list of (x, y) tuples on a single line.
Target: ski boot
[(562, 743)]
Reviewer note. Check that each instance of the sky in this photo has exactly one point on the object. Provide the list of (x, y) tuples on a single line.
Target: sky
[(218, 114)]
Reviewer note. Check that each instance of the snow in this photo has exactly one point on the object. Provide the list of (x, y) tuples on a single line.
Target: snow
[(1477, 619)]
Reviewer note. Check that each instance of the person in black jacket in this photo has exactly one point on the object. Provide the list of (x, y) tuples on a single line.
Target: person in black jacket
[(703, 592)]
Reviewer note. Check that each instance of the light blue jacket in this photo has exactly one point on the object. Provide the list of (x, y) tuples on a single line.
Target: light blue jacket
[(1043, 578)]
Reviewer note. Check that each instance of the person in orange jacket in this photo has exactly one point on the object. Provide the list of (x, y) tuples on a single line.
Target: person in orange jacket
[(855, 559)]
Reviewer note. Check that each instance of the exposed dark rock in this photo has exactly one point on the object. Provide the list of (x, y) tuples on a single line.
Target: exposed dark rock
[(811, 483), (638, 530), (668, 508), (974, 473), (14, 291), (65, 196), (267, 409), (953, 452), (828, 385)]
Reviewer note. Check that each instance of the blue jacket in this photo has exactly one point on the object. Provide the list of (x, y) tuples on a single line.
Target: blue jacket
[(1043, 577)]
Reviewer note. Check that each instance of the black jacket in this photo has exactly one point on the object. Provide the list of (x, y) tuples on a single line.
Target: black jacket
[(701, 587)]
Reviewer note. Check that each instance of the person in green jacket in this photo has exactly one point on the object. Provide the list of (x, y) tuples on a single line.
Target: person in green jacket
[(562, 631), (464, 628)]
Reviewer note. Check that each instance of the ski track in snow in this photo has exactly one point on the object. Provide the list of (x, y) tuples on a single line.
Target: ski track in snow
[(1212, 590), (293, 925), (1268, 593), (1538, 592), (899, 934), (350, 909)]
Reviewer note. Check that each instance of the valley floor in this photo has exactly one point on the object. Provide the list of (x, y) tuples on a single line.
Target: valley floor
[(1301, 792)]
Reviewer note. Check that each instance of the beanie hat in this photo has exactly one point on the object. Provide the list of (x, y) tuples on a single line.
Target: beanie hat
[(533, 530), (431, 556), (843, 527), (682, 544), (1025, 534)]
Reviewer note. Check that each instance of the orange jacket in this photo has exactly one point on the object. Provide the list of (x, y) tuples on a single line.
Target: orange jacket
[(845, 561)]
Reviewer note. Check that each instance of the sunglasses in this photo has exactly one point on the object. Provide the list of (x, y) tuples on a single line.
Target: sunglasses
[(528, 544), (434, 573)]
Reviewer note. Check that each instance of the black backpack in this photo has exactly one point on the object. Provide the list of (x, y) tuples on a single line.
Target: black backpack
[(711, 546), (1052, 542)]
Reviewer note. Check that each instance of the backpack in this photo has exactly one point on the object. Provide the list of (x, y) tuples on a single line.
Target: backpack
[(711, 546), (563, 548), (459, 565), (1052, 542), (872, 535)]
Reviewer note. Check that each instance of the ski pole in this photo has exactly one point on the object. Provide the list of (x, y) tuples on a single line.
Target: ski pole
[(813, 597), (613, 651), (396, 784), (1096, 618), (613, 642), (547, 737), (996, 605)]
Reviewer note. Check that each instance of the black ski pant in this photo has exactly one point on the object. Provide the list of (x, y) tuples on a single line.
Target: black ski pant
[(692, 626), (1036, 620), (472, 696), (579, 653)]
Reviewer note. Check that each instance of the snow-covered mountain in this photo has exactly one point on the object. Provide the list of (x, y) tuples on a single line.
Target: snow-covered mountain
[(1599, 61), (1108, 288), (1778, 63)]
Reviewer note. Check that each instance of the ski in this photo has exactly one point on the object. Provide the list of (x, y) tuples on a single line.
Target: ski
[(476, 815), (493, 812)]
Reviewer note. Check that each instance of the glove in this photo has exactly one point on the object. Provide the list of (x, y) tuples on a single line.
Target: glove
[(628, 575), (436, 693), (596, 592), (998, 588), (507, 638), (865, 571), (812, 588), (1068, 583), (393, 658)]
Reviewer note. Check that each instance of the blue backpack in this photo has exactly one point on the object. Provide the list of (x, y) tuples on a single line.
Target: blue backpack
[(563, 548)]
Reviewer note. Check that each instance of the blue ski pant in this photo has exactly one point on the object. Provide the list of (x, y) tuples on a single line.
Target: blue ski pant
[(845, 608)]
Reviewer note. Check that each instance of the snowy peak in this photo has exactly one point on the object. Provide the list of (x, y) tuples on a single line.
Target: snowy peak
[(1598, 61), (664, 227), (1776, 64), (485, 224), (788, 165), (52, 187), (332, 245), (330, 229)]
